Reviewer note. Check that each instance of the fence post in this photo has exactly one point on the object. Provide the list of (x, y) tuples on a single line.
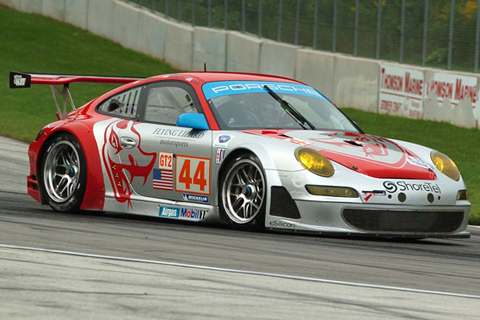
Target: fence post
[(225, 15), (193, 12), (425, 31), (450, 35), (297, 22), (355, 36), (260, 12), (179, 11), (315, 25), (279, 30), (402, 31), (209, 13), (334, 35), (379, 28), (243, 16), (477, 38)]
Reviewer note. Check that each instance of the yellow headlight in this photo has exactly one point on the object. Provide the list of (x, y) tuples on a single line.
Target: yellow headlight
[(314, 161), (445, 165)]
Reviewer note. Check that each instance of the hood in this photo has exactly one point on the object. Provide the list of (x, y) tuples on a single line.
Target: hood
[(366, 154)]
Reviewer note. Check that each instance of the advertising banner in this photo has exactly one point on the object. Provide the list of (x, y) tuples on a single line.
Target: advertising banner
[(401, 91), (451, 98), (453, 87)]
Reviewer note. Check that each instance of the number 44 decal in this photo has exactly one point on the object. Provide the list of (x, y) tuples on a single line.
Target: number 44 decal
[(192, 175)]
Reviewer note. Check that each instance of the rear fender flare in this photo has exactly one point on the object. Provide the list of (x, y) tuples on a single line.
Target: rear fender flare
[(95, 192)]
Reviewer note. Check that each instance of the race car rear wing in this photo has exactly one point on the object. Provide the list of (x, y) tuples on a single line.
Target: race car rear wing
[(25, 80)]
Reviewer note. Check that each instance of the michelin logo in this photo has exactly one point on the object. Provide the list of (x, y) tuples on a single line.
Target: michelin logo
[(194, 197)]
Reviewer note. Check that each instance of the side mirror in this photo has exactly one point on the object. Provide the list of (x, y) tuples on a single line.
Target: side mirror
[(193, 120)]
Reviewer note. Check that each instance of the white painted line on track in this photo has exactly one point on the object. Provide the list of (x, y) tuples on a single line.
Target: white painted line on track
[(266, 274)]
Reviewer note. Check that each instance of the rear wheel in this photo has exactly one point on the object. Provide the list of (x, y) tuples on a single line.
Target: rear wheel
[(64, 173), (243, 193)]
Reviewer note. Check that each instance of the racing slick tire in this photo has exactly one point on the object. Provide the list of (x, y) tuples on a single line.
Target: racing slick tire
[(64, 174), (243, 193)]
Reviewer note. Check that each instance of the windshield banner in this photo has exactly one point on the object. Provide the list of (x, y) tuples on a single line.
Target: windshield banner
[(225, 88)]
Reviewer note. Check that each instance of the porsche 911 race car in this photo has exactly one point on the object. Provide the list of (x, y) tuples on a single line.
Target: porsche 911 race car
[(254, 151)]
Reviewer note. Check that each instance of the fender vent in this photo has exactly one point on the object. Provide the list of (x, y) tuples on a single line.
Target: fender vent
[(282, 204)]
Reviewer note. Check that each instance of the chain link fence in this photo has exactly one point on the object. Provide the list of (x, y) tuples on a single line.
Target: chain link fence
[(434, 33)]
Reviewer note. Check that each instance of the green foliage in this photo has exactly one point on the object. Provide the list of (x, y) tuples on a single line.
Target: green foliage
[(438, 57), (33, 43)]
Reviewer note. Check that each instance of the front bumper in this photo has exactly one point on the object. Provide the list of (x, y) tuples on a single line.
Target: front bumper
[(334, 218)]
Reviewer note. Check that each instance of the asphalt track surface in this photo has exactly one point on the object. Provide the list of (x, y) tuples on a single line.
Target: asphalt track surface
[(110, 266)]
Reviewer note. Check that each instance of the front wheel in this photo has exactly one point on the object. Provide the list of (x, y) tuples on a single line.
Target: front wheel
[(243, 193), (64, 174)]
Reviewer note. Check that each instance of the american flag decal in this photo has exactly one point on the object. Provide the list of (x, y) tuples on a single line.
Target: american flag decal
[(163, 179)]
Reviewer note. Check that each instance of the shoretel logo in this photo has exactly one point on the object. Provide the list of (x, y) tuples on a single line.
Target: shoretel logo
[(394, 186)]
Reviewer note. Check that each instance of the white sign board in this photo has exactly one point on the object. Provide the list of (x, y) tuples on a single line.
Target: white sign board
[(401, 92), (454, 87), (457, 93)]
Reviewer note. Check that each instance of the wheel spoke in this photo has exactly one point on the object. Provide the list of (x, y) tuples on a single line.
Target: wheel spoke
[(243, 191), (61, 175), (63, 184)]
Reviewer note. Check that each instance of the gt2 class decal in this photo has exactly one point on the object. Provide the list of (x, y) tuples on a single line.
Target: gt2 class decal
[(163, 176), (122, 165), (192, 175)]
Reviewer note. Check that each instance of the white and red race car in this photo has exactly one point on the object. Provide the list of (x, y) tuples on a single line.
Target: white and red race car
[(255, 151)]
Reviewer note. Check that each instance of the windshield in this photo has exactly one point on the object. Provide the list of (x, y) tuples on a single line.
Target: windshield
[(249, 105)]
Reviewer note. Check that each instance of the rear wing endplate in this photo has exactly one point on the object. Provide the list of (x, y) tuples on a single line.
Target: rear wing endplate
[(59, 85)]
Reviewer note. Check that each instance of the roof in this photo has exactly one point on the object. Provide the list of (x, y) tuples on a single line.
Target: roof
[(204, 77)]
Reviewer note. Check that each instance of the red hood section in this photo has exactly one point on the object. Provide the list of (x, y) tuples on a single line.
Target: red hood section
[(370, 155)]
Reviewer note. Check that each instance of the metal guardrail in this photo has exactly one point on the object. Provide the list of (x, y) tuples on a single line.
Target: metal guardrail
[(441, 33)]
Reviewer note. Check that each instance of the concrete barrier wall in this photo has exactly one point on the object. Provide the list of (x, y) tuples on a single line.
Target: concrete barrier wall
[(243, 52), (76, 13), (100, 17), (30, 6), (348, 81), (316, 68), (178, 45), (210, 48), (356, 82), (54, 9), (278, 59), (153, 29), (125, 25)]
